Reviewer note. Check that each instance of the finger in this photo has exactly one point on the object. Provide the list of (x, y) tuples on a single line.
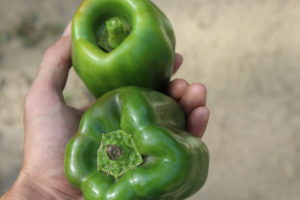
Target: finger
[(193, 97), (197, 121), (85, 108), (67, 30), (177, 88), (178, 62), (54, 69)]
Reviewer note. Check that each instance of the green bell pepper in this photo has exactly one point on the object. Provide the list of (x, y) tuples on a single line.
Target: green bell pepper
[(131, 145), (121, 43)]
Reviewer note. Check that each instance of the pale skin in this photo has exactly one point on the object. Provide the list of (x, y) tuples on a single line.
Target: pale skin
[(49, 124)]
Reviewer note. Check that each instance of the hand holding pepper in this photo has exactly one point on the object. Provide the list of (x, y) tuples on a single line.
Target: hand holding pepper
[(50, 123)]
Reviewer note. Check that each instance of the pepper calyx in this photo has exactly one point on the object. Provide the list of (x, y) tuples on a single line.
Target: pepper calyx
[(118, 153)]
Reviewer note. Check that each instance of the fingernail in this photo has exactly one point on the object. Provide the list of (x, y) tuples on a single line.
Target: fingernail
[(179, 57), (67, 30)]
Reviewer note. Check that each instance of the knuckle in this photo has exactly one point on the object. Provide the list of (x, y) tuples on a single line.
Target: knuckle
[(50, 52), (174, 81), (207, 112), (56, 54), (198, 87), (180, 82), (28, 101)]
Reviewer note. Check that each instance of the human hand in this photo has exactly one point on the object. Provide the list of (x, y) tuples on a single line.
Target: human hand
[(50, 123)]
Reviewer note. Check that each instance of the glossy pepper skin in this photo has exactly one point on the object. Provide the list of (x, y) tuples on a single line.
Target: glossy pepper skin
[(174, 166), (121, 43)]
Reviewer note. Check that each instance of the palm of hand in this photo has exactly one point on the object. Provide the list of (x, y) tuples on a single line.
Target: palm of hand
[(50, 123)]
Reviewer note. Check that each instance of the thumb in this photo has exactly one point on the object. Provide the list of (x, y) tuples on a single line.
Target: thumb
[(51, 78), (56, 63), (53, 72)]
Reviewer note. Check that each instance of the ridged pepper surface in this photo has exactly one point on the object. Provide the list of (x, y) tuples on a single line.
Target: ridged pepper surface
[(131, 145)]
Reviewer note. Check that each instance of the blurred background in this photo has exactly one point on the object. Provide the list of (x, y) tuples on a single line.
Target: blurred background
[(247, 52)]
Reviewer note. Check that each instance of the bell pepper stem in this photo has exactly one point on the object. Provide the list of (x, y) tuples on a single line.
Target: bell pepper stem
[(113, 33)]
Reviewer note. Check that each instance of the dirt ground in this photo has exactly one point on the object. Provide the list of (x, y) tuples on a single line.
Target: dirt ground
[(247, 52)]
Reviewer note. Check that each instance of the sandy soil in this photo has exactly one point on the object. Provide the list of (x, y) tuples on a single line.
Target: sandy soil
[(247, 52)]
